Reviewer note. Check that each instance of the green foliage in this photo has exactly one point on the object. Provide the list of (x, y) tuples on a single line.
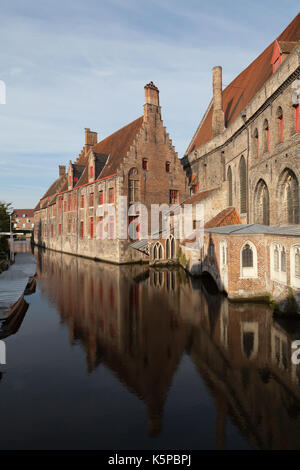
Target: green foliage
[(4, 248), (182, 258), (5, 212)]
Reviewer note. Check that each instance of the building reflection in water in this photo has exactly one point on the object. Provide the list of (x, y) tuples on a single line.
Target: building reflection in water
[(139, 322)]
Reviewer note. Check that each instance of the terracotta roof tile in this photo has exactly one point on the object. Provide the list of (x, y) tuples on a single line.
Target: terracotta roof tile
[(117, 145), (243, 88), (228, 216), (20, 212), (198, 197)]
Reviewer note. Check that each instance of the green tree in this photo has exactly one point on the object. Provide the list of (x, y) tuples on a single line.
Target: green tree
[(5, 212)]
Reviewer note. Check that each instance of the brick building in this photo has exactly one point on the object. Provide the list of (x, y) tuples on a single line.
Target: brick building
[(22, 219), (245, 151), (80, 212)]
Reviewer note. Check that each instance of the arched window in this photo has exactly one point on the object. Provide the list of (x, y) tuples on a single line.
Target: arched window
[(157, 251), (279, 116), (256, 143), (229, 178), (243, 185), (248, 260), (247, 257), (261, 203), (133, 186), (278, 262), (266, 136), (288, 195)]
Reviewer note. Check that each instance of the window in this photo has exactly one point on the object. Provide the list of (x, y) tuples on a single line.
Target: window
[(59, 229), (111, 195), (92, 227), (82, 201), (288, 195), (100, 198), (243, 185), (75, 200), (91, 172), (261, 203), (133, 186), (194, 188), (111, 227), (23, 225), (248, 261), (91, 199), (28, 221), (134, 227), (81, 230), (168, 167), (229, 177), (65, 206), (247, 257), (145, 164), (69, 225), (174, 196), (69, 202)]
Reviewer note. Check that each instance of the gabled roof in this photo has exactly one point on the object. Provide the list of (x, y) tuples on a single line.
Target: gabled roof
[(60, 184), (243, 88), (117, 145), (228, 216), (20, 212)]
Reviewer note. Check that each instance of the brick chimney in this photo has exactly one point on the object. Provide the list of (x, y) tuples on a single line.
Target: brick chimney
[(218, 120), (90, 138), (62, 170), (151, 100)]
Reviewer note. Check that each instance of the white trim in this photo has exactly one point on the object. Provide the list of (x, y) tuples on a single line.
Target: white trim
[(251, 272)]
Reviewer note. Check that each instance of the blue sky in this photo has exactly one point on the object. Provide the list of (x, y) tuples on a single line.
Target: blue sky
[(68, 65)]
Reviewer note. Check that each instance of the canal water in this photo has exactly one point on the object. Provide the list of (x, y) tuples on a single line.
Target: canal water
[(127, 357)]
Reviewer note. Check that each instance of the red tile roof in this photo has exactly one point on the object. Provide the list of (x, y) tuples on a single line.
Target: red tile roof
[(228, 216), (20, 212), (117, 145), (198, 197), (243, 88)]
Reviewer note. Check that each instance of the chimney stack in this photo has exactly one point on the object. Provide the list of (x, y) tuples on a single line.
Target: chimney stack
[(218, 120), (151, 100), (62, 170), (90, 138)]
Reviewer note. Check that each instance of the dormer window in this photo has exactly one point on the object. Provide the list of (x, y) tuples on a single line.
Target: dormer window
[(280, 51)]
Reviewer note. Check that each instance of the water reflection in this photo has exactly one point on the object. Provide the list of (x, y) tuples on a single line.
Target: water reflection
[(139, 322)]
